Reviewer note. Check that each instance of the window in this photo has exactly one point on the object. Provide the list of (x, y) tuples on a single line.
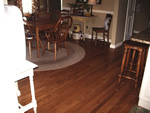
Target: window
[(27, 6), (61, 4)]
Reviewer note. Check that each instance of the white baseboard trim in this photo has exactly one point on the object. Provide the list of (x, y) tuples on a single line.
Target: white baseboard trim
[(103, 11), (100, 38), (136, 31), (68, 8), (95, 11), (115, 46), (144, 104)]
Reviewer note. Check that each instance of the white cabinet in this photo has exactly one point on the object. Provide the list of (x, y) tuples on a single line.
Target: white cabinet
[(14, 65), (26, 70), (144, 97)]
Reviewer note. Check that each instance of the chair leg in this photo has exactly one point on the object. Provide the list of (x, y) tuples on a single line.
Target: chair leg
[(138, 70), (59, 46), (29, 48), (45, 48), (108, 37), (122, 67), (96, 39), (55, 48), (48, 46), (92, 34), (142, 65), (66, 48), (41, 44), (104, 37)]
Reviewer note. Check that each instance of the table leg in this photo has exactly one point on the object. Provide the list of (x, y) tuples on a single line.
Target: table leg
[(84, 28), (37, 40)]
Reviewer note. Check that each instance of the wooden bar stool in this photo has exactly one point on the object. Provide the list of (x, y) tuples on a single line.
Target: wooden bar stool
[(133, 62)]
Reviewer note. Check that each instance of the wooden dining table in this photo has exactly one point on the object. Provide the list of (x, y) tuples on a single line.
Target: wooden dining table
[(41, 25)]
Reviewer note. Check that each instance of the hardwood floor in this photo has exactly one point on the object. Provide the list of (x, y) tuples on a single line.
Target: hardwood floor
[(88, 86)]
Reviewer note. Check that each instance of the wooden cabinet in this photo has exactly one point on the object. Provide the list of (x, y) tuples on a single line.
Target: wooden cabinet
[(26, 70)]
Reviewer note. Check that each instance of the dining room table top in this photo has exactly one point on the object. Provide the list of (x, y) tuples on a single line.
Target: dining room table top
[(42, 23), (143, 37)]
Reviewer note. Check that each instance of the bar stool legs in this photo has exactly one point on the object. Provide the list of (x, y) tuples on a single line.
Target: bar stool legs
[(133, 62)]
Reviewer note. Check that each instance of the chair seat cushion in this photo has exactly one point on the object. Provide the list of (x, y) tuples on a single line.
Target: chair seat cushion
[(99, 29)]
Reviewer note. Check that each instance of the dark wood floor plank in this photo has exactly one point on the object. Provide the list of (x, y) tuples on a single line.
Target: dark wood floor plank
[(88, 86)]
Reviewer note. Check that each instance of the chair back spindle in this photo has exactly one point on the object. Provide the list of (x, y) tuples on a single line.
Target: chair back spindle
[(59, 34)]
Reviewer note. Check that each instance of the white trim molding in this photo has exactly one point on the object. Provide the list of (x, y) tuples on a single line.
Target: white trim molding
[(66, 8), (115, 46), (95, 11), (100, 38), (135, 31), (103, 11)]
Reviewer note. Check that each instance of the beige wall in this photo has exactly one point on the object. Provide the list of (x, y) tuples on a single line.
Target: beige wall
[(66, 2), (98, 21), (107, 5), (115, 19), (119, 21)]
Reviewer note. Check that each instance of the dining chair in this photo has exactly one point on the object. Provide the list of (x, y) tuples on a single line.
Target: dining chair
[(54, 16), (30, 36), (104, 29), (58, 35)]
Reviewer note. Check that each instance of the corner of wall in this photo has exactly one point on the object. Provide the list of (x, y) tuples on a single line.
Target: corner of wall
[(116, 45)]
